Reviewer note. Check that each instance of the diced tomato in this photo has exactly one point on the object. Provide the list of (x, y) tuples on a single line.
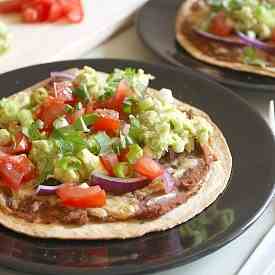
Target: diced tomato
[(116, 101), (109, 161), (62, 91), (10, 6), (25, 166), (72, 10), (50, 110), (30, 15), (55, 12), (122, 92), (90, 107), (123, 154), (35, 10), (148, 167), (108, 124), (220, 25), (19, 146), (75, 115), (16, 170), (22, 145), (79, 197), (10, 176)]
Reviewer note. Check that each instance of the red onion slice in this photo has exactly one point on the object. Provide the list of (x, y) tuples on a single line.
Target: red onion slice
[(256, 43), (168, 181), (64, 75), (231, 40), (45, 190), (118, 186)]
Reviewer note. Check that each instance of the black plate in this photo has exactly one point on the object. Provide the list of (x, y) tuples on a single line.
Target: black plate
[(245, 199), (156, 27)]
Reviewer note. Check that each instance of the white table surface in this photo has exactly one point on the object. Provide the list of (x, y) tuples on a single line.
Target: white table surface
[(227, 260)]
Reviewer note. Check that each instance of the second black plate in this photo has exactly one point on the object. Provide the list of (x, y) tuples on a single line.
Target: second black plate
[(156, 27)]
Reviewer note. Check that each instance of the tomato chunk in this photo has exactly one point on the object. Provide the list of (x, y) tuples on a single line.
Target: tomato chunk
[(55, 12), (10, 6), (72, 10), (50, 110), (108, 124), (36, 10), (109, 161), (122, 92), (116, 101), (80, 197), (148, 167), (220, 25), (16, 170), (22, 144)]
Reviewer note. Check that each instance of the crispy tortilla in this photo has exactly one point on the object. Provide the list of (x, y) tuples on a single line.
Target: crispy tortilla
[(184, 12), (214, 184)]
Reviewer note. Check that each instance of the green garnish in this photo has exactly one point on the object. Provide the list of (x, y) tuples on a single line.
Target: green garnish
[(90, 118), (69, 109), (93, 145), (82, 93), (69, 141), (33, 132), (80, 125)]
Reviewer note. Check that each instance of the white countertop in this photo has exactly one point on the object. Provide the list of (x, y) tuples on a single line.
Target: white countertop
[(228, 259)]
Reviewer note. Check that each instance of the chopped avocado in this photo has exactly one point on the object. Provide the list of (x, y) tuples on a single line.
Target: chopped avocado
[(8, 110), (25, 118), (5, 137), (122, 170), (89, 84), (265, 15), (67, 169), (164, 126), (178, 143), (68, 175), (135, 152), (38, 96), (42, 153), (90, 161)]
